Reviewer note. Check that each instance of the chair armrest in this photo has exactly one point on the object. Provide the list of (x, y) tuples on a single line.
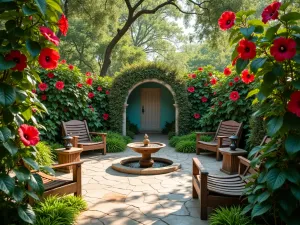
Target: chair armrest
[(205, 133), (222, 137), (66, 164), (198, 168), (244, 161), (96, 133), (220, 140)]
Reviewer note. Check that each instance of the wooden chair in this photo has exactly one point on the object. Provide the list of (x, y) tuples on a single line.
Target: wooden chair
[(221, 138), (215, 191), (57, 186), (81, 136)]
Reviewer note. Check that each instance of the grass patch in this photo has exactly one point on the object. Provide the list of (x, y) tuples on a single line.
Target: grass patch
[(59, 210), (44, 155)]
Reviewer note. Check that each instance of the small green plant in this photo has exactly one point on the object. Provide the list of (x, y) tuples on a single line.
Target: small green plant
[(59, 211), (171, 134), (186, 146), (174, 140), (127, 139), (130, 134), (54, 146), (115, 145), (44, 155), (206, 138), (229, 216)]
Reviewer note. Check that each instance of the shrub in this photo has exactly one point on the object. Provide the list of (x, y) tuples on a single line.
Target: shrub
[(229, 216), (44, 155), (130, 134), (131, 127), (206, 138), (59, 211), (174, 140), (186, 146), (171, 134), (127, 139), (114, 142), (54, 146), (169, 127)]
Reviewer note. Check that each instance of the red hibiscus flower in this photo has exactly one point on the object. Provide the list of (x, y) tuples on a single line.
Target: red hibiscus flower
[(88, 74), (71, 67), (63, 61), (59, 85), (234, 96), (33, 91), (29, 135), (191, 89), (230, 84), (226, 21), (247, 78), (234, 61), (105, 116), (197, 116), (107, 92), (91, 95), (43, 86), (200, 69), (63, 24), (79, 85), (92, 108), (210, 74), (294, 104), (19, 58), (246, 49), (50, 75), (213, 81), (227, 71), (193, 75), (44, 97), (99, 88), (49, 35), (271, 12), (204, 99), (236, 79), (283, 48), (48, 58), (89, 81)]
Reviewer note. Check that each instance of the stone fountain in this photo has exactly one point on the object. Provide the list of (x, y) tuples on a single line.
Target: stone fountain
[(145, 164)]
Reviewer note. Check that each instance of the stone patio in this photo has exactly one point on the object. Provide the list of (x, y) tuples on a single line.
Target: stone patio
[(123, 199)]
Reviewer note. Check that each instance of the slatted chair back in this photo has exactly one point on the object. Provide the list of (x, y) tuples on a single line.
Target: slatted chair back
[(228, 128), (77, 128)]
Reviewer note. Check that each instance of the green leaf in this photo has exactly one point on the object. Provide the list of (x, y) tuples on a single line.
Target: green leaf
[(11, 147), (296, 191), (5, 65), (263, 197), (55, 6), (292, 144), (36, 183), (48, 169), (274, 125), (269, 163), (297, 58), (292, 175), (254, 151), (10, 25), (7, 183), (247, 209), (42, 5), (290, 16), (257, 63), (7, 94), (253, 92), (241, 65), (284, 6), (28, 11), (8, 117), (259, 29), (247, 31), (22, 173), (18, 194), (275, 179), (33, 195), (260, 209), (27, 114), (278, 70), (270, 33), (26, 213), (262, 177), (5, 134), (31, 163), (33, 47)]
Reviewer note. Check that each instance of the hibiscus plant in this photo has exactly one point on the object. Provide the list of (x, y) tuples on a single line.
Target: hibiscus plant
[(269, 48), (27, 43)]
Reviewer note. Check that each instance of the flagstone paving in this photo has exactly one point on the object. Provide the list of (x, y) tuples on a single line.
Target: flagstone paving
[(116, 198)]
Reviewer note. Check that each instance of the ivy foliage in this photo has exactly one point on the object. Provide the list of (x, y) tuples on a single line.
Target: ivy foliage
[(132, 75)]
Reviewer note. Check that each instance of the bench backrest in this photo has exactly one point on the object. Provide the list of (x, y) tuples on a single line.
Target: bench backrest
[(77, 128), (228, 128)]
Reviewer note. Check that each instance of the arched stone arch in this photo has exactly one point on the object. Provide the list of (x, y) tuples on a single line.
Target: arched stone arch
[(128, 79)]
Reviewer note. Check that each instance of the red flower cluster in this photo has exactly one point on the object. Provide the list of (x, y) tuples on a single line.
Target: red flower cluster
[(99, 88), (191, 89), (230, 84), (92, 108), (44, 97), (234, 96), (63, 61), (29, 135), (79, 85), (236, 79), (59, 85), (204, 99), (89, 81), (197, 116), (271, 12), (213, 81), (107, 92), (246, 49), (294, 104), (105, 116), (192, 75), (247, 78), (91, 95), (283, 48), (48, 58), (49, 35), (71, 67), (200, 69), (227, 71), (63, 24), (88, 74), (19, 58), (50, 75), (43, 86), (210, 74), (226, 21)]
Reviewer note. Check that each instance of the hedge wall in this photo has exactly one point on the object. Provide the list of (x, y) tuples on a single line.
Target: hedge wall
[(134, 74)]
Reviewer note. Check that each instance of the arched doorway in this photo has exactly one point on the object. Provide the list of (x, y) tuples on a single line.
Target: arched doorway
[(150, 104)]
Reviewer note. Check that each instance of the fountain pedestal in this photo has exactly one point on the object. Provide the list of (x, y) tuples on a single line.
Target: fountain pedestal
[(146, 160)]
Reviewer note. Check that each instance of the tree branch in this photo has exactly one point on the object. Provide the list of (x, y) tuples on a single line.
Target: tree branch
[(128, 5)]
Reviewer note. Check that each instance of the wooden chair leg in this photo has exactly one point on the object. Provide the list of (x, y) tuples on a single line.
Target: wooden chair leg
[(218, 156), (203, 211), (104, 150), (197, 151), (77, 178), (195, 194)]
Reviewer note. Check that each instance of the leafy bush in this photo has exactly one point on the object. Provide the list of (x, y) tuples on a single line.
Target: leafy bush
[(130, 134), (114, 142), (186, 146), (131, 127), (174, 140), (229, 216), (44, 155), (171, 134), (59, 211), (54, 146), (169, 127)]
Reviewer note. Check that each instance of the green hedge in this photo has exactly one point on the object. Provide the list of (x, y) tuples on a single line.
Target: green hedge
[(137, 73)]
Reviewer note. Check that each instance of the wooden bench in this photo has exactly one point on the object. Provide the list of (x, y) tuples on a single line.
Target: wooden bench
[(221, 138)]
